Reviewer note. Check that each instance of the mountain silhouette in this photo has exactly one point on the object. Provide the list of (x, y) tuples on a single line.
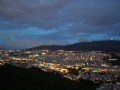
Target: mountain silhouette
[(105, 45)]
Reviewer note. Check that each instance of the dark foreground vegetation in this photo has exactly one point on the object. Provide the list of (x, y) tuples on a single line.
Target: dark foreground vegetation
[(17, 78)]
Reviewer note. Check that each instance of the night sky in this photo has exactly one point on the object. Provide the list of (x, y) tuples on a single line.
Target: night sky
[(29, 23)]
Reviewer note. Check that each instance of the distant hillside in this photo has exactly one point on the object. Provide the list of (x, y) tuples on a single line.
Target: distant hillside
[(110, 45), (16, 78), (1, 48)]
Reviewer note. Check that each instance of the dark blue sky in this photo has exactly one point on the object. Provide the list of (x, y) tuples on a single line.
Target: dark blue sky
[(29, 23)]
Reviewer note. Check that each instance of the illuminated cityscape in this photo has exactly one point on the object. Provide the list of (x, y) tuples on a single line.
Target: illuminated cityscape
[(70, 64), (59, 44)]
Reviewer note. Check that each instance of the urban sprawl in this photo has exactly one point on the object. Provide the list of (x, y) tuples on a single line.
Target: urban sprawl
[(70, 64)]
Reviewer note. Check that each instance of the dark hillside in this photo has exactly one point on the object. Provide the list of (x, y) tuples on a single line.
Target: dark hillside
[(16, 78), (107, 46)]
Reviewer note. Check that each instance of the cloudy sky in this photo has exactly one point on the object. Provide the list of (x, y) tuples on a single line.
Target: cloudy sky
[(29, 23)]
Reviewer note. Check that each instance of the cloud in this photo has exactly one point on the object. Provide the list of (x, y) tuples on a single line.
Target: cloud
[(39, 22)]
